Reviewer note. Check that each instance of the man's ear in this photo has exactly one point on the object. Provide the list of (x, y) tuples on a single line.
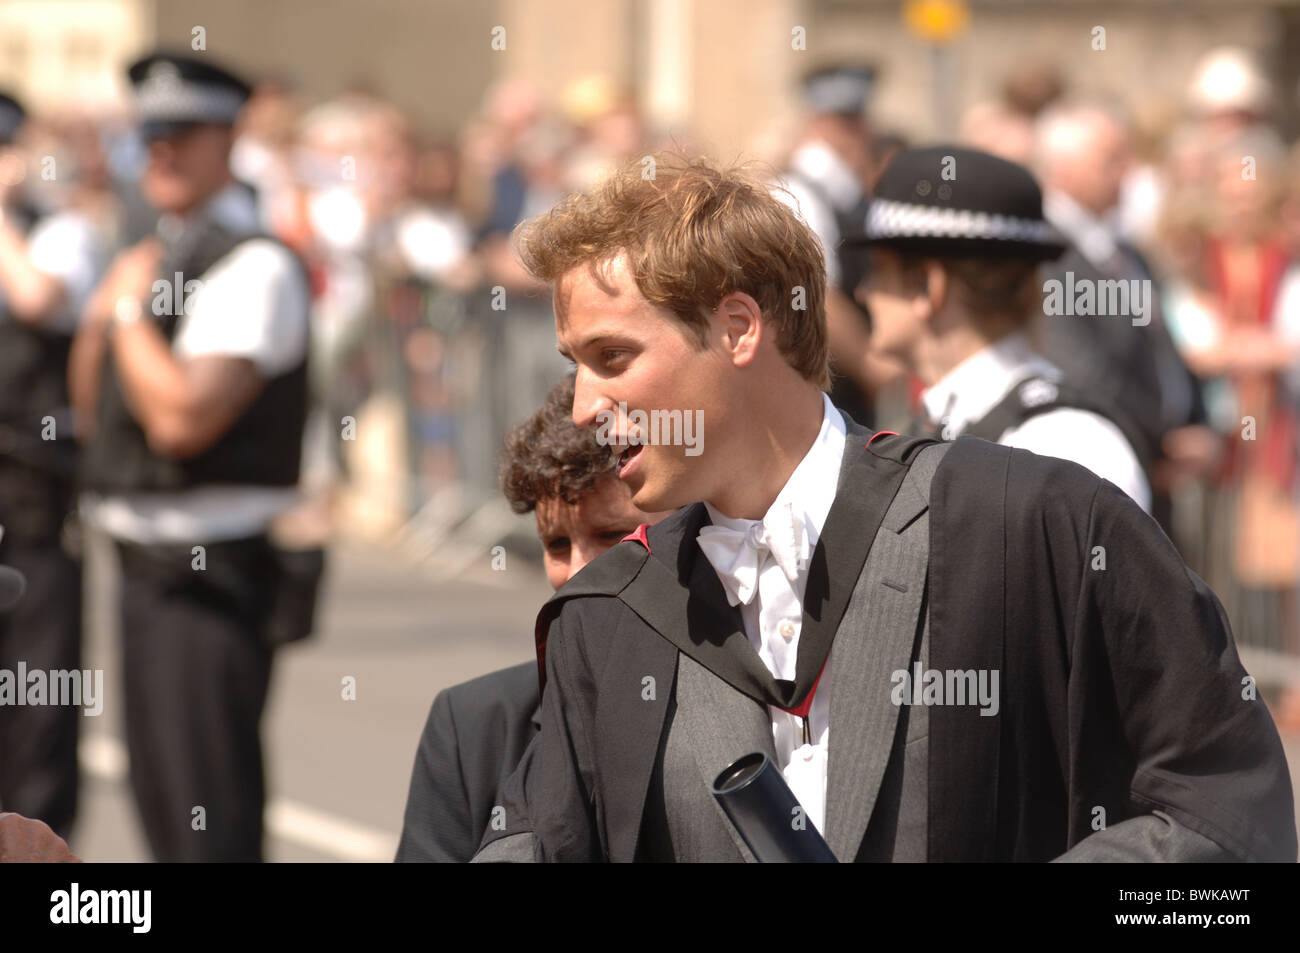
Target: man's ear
[(742, 326), (937, 287)]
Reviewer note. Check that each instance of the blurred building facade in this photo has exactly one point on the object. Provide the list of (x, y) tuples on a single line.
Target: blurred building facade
[(56, 53), (724, 69)]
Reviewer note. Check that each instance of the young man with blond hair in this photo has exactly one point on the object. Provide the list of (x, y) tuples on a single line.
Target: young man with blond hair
[(826, 593)]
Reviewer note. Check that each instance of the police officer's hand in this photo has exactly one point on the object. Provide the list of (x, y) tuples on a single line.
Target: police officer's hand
[(24, 840), (131, 275)]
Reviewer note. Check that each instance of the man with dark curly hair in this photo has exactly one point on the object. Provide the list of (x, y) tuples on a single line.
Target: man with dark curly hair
[(477, 731)]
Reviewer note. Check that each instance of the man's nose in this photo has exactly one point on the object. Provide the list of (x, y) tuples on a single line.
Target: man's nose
[(588, 401)]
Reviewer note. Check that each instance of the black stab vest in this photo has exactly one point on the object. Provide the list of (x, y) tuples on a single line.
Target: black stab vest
[(1034, 395), (262, 448), (34, 386)]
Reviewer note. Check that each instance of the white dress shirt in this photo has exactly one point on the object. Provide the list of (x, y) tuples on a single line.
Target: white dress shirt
[(774, 616), (976, 385)]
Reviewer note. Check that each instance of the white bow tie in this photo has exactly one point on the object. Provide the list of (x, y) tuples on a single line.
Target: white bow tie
[(738, 555)]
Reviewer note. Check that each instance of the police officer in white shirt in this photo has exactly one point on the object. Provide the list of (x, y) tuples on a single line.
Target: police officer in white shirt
[(956, 238), (190, 378)]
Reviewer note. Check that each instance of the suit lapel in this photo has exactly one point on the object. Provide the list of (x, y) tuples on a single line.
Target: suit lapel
[(678, 584), (880, 628), (851, 527)]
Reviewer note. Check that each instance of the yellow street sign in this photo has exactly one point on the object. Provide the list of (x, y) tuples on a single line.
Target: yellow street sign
[(938, 21)]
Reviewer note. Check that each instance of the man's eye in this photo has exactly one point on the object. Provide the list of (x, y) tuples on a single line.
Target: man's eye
[(558, 545), (613, 355)]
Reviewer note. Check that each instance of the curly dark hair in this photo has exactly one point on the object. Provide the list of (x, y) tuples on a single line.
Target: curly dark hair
[(548, 456)]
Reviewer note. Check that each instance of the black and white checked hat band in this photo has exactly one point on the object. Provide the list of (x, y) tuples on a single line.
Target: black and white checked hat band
[(889, 219), (176, 101)]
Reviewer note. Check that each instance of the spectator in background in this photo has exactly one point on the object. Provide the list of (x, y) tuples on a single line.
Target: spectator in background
[(995, 128), (418, 250), (825, 180), (1005, 126), (1290, 214), (435, 238), (884, 147), (608, 126), (540, 164), (410, 236), (331, 231), (262, 156), (1031, 87), (511, 109), (1143, 191), (1082, 155), (1249, 339), (1228, 93)]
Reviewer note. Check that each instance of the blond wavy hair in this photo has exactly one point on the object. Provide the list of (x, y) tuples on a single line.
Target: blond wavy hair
[(692, 233)]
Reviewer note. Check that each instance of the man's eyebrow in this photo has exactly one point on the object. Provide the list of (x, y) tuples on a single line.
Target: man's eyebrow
[(594, 339)]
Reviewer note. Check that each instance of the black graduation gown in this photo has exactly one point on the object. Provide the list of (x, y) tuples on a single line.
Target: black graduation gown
[(1121, 685)]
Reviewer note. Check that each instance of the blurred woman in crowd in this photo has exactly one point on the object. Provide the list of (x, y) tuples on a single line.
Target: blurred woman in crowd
[(1235, 313)]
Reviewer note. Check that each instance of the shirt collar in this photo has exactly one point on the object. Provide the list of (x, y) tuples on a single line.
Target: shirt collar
[(1094, 236), (974, 387), (820, 163), (811, 487)]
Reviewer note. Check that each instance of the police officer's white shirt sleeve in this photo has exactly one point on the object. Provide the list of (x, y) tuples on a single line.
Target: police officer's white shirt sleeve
[(1089, 440), (65, 247), (818, 217), (251, 304)]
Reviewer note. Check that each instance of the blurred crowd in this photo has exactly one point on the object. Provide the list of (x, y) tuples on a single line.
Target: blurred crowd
[(408, 242)]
